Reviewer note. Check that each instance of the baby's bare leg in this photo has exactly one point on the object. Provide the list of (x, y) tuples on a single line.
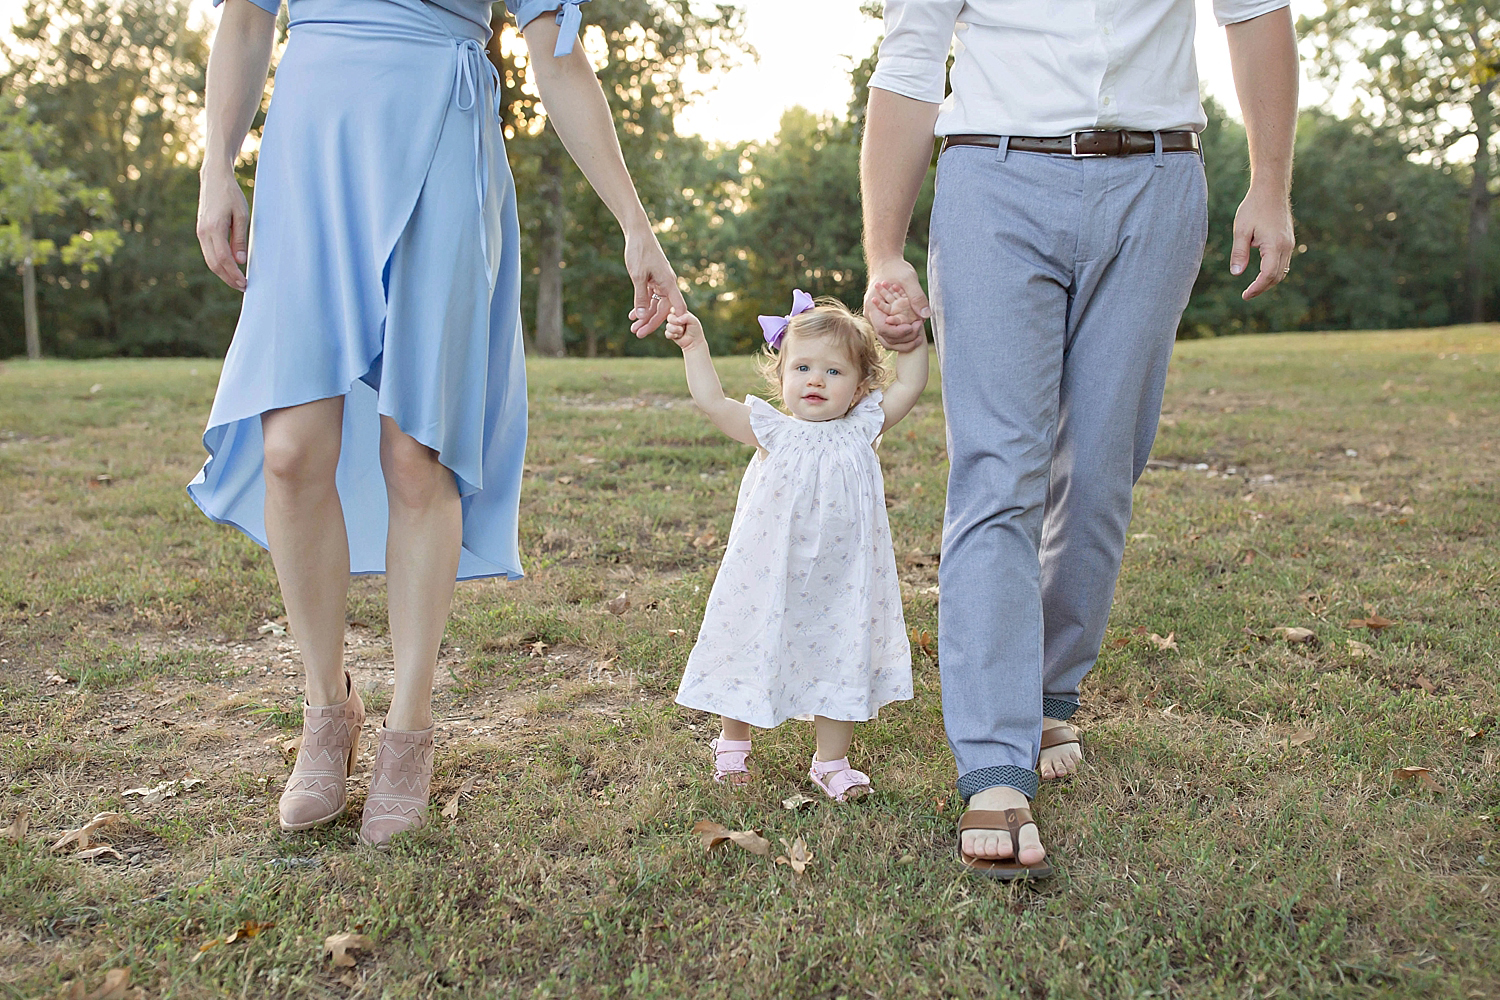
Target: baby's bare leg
[(834, 738)]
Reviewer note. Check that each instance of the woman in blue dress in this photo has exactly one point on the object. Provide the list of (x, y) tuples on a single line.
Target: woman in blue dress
[(371, 414)]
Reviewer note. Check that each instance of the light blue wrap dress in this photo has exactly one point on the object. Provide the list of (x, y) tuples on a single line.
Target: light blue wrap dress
[(384, 267)]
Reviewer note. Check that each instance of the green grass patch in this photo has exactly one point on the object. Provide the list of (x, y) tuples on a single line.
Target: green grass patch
[(1240, 828)]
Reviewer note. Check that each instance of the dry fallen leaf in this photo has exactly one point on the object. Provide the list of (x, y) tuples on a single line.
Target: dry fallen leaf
[(1425, 684), (1374, 622), (1295, 634), (797, 855), (798, 801), (338, 947), (618, 605), (18, 826), (246, 930), (717, 834), (272, 628), (116, 987), (706, 539), (1421, 775), (165, 790), (450, 811), (1360, 650), (249, 929), (81, 835), (1169, 642), (292, 747), (53, 677), (922, 640), (94, 853), (1301, 737)]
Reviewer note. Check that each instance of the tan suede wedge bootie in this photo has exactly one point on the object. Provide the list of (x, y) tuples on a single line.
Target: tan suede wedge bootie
[(398, 785), (316, 792)]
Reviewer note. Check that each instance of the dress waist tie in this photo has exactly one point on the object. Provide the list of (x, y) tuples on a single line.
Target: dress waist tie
[(473, 72)]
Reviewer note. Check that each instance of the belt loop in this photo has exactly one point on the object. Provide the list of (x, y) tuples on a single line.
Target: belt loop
[(1156, 152), (1003, 150)]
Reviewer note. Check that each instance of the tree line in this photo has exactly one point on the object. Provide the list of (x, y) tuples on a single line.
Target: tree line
[(100, 102)]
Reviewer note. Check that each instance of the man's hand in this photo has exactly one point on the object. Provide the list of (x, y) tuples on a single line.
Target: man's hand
[(903, 330), (1263, 53), (1264, 221), (684, 330)]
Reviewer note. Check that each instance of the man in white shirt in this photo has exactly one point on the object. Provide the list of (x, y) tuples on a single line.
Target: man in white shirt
[(1066, 234)]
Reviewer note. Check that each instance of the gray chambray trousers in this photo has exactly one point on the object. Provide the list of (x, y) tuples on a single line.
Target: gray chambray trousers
[(1056, 285)]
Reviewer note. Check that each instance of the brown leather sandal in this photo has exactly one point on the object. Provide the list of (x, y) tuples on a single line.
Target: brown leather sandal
[(1011, 821), (1057, 736)]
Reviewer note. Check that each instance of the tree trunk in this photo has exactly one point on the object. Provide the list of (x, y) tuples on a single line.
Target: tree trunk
[(1479, 206), (28, 298), (549, 288)]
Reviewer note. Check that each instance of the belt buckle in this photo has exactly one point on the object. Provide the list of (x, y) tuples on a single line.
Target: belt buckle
[(1073, 147)]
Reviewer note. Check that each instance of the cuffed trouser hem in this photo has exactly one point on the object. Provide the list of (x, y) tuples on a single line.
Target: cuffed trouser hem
[(1019, 778), (1059, 709)]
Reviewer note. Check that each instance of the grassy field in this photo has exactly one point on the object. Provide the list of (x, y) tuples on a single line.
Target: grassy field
[(1242, 829)]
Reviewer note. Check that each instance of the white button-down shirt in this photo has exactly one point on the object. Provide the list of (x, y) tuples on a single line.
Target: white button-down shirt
[(1050, 67)]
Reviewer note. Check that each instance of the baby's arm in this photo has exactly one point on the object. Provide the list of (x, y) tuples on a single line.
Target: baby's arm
[(911, 366), (729, 415)]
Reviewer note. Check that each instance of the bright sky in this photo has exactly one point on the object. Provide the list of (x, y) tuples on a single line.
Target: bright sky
[(806, 49)]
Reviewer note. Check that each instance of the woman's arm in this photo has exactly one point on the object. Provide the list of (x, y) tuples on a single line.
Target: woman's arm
[(577, 108), (728, 415), (237, 67)]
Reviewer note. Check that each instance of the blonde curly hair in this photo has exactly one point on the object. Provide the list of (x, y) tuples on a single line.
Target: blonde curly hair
[(831, 318)]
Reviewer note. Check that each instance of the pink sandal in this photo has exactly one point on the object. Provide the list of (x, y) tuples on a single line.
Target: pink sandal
[(839, 781), (729, 761)]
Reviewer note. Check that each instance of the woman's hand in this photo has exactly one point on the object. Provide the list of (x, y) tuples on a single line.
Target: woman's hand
[(223, 225), (684, 330), (656, 291)]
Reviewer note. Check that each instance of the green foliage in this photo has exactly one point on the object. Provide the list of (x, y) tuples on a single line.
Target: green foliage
[(1375, 231), (121, 83), (118, 86), (30, 191), (1426, 70)]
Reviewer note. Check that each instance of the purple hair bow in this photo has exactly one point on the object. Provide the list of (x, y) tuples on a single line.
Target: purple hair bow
[(774, 327)]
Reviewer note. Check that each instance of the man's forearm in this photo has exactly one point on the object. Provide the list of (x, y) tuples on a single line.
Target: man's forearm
[(1263, 52), (893, 160)]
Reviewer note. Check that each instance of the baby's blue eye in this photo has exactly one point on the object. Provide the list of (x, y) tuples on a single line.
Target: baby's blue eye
[(801, 368), (834, 371)]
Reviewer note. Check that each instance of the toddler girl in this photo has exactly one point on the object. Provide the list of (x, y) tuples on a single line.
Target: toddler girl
[(804, 619)]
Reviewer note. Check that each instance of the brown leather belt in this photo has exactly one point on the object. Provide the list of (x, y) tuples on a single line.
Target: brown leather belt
[(1091, 142)]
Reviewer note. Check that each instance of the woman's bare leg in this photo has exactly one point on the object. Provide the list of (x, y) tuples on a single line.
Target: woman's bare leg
[(421, 564), (305, 529)]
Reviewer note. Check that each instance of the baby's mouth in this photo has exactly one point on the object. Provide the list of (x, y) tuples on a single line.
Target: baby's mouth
[(813, 397)]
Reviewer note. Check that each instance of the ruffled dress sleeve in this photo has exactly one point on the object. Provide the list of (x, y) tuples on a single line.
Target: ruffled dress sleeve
[(269, 6), (868, 415), (766, 421), (568, 16)]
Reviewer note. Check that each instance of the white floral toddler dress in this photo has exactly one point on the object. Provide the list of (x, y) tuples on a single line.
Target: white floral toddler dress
[(805, 615)]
